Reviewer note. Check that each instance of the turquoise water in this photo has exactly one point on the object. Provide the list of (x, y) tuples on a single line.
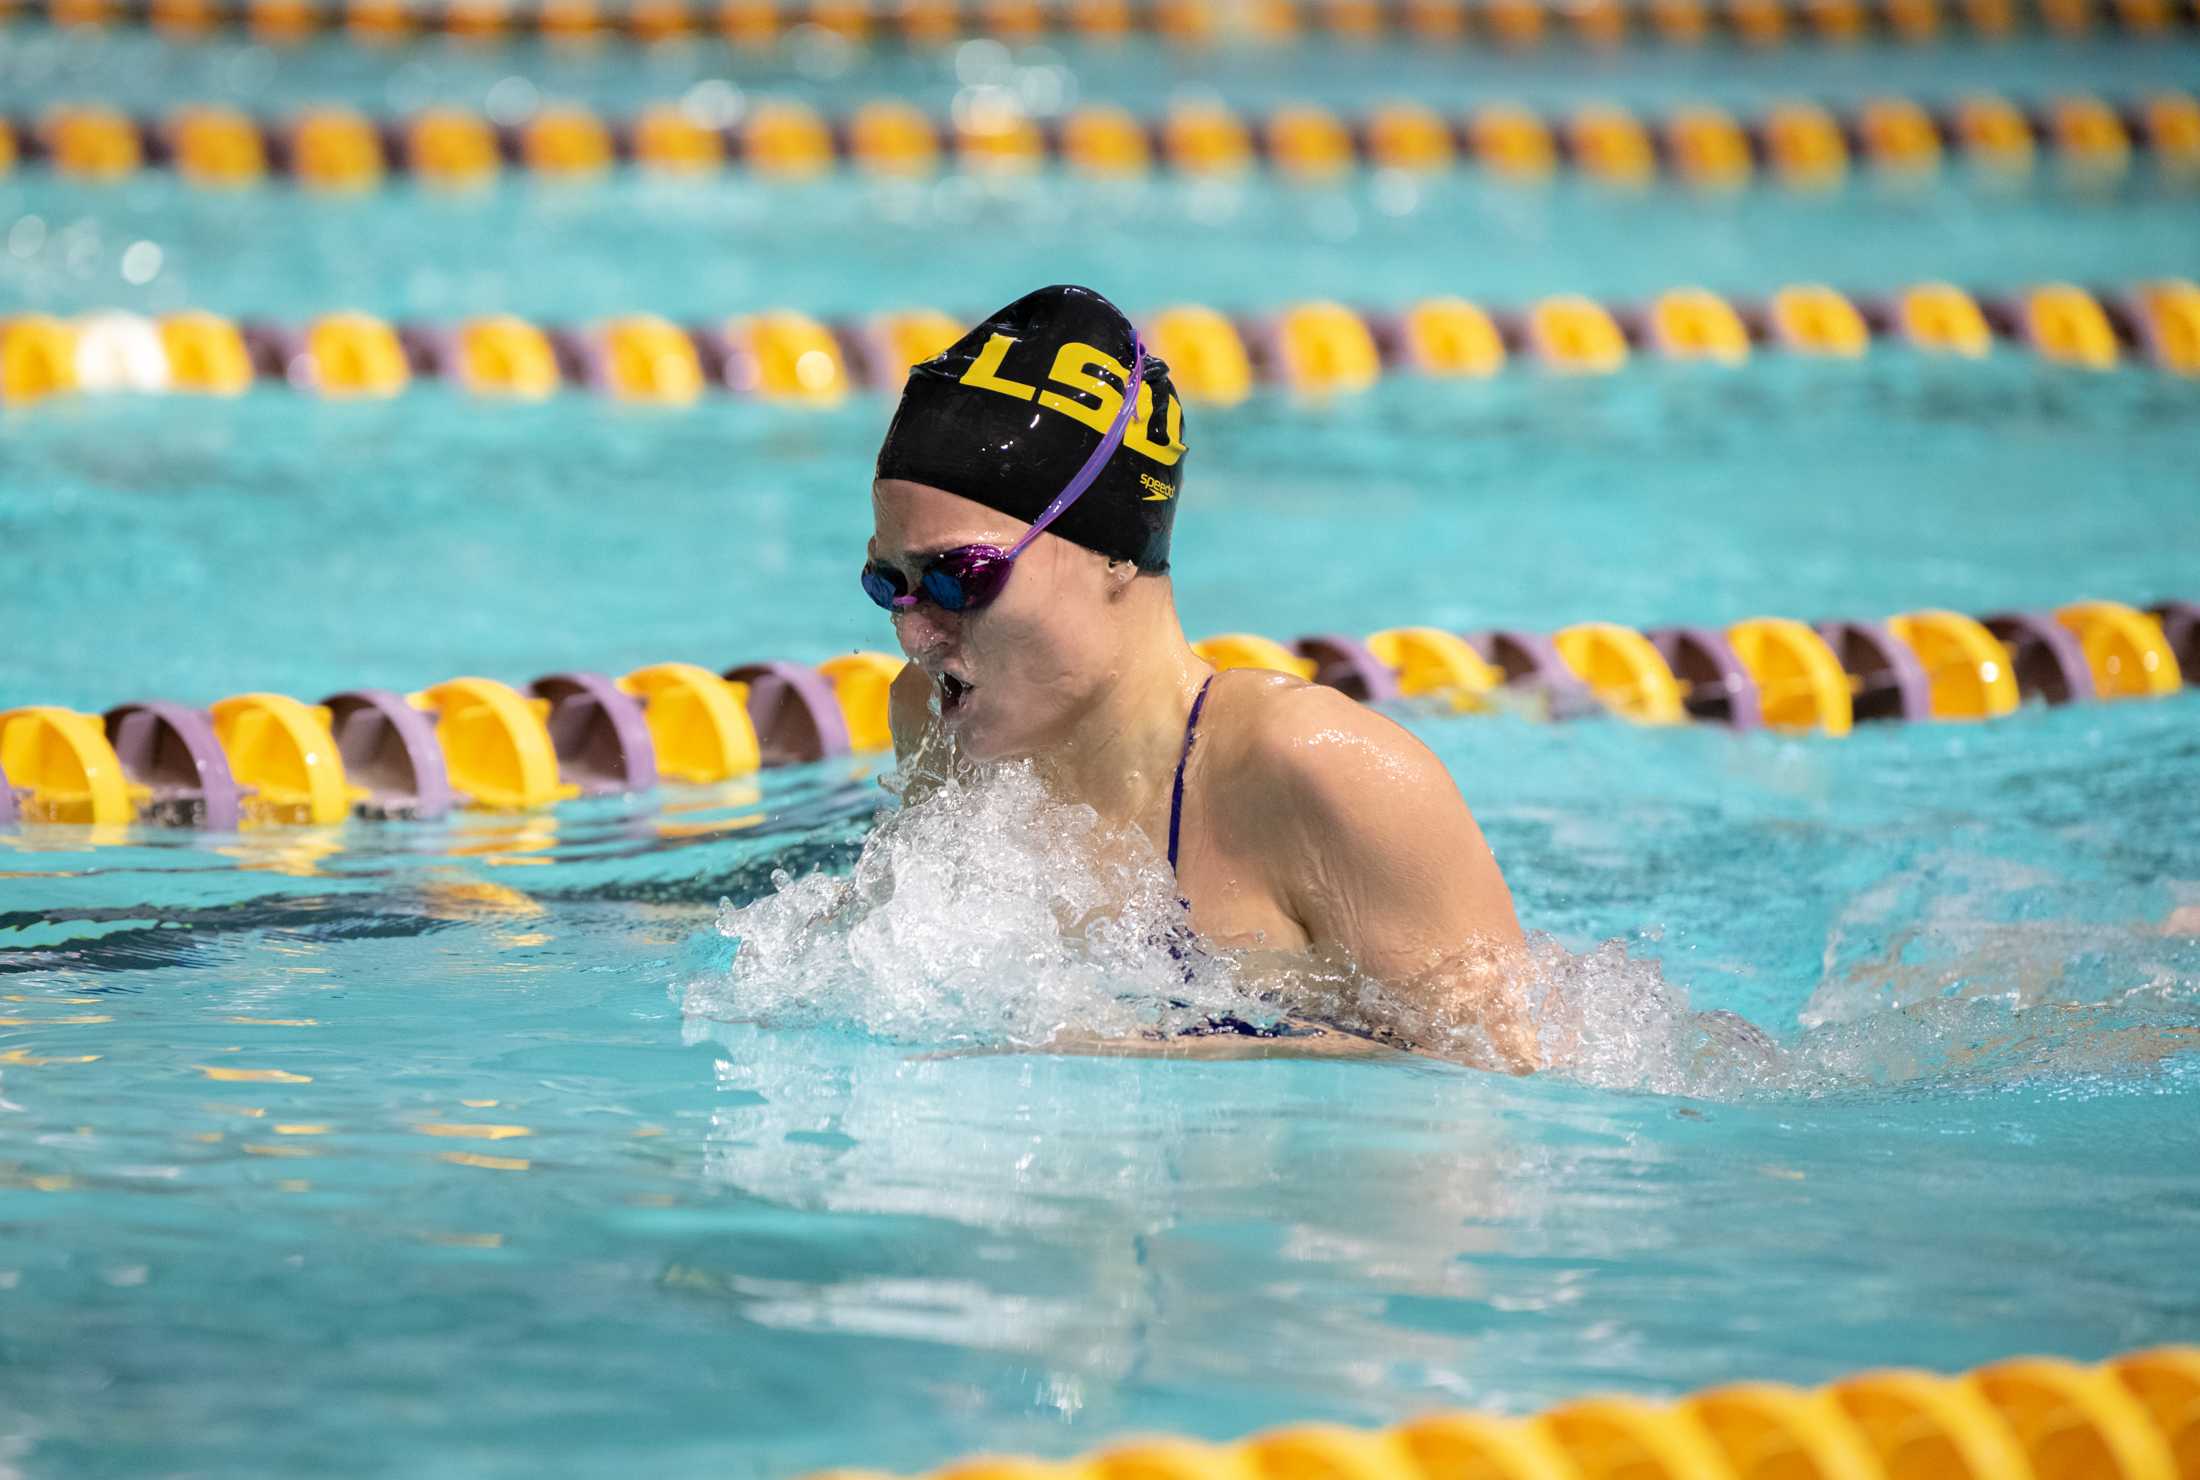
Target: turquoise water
[(472, 1148)]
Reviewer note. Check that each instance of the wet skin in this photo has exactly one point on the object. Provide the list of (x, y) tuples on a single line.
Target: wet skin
[(1311, 823)]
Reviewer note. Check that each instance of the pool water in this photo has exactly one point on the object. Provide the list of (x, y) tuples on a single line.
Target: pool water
[(479, 1147)]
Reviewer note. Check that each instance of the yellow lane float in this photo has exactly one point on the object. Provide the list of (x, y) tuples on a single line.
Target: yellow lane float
[(355, 355), (1900, 137), (495, 743), (1204, 139), (2090, 138), (206, 354), (2169, 324), (1205, 355), (1626, 673), (1432, 662), (1245, 650), (336, 150), (503, 356), (1450, 336), (1800, 682), (92, 143), (1308, 143), (1805, 146), (1512, 143), (452, 148), (1576, 335), (906, 338), (1708, 148), (698, 722), (285, 752), (999, 141), (2172, 122), (217, 147), (1944, 319), (1967, 665), (863, 684), (1996, 134), (889, 137), (570, 143), (65, 762), (2066, 324), (641, 357), (1407, 136), (2125, 648), (1609, 144), (37, 357), (1325, 348), (668, 142), (1812, 319), (789, 141), (1105, 141), (1691, 324), (2074, 1420), (786, 356)]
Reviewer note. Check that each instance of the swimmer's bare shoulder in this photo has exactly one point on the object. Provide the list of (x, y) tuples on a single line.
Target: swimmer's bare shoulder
[(1366, 842)]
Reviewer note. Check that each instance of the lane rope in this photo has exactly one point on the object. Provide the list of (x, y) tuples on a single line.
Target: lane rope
[(1316, 348), (1798, 145), (1512, 25), (259, 759), (2134, 1416)]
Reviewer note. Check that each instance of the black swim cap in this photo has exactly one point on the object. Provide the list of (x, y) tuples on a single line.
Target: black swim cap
[(1007, 415)]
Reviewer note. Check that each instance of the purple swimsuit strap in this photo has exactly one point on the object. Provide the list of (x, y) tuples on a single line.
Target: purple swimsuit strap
[(1176, 792)]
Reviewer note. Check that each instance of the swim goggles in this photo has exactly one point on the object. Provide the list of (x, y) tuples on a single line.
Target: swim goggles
[(969, 577)]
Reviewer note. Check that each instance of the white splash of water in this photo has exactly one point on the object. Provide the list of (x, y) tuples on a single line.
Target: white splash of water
[(993, 914), (989, 913)]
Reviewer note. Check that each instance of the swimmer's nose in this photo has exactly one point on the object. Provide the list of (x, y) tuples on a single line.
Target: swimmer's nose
[(926, 632)]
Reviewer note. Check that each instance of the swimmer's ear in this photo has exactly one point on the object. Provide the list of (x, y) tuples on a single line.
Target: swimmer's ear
[(1120, 574)]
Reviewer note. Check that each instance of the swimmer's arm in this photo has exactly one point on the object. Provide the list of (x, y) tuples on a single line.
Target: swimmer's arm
[(1383, 862)]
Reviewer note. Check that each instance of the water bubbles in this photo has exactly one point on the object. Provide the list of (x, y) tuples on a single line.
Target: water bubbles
[(27, 237), (992, 914), (1396, 192), (513, 100), (819, 53), (989, 913), (141, 262), (985, 108), (815, 370), (712, 103), (981, 62)]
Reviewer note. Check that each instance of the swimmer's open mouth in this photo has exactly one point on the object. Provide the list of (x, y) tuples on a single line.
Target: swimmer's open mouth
[(952, 693)]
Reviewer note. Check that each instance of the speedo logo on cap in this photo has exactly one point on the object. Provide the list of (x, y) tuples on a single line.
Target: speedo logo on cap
[(1074, 364)]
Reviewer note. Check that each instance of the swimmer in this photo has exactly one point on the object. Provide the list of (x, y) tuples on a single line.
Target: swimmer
[(1022, 508)]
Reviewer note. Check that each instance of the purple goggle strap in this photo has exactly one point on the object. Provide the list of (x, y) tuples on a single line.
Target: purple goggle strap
[(1075, 488)]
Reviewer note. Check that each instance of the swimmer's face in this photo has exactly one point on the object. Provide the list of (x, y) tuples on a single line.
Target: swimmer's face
[(1010, 678)]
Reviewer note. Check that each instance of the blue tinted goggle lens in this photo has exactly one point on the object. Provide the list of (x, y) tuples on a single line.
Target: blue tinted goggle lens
[(882, 583), (960, 580), (945, 588)]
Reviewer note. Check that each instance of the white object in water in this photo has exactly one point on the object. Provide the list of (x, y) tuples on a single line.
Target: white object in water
[(120, 352)]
